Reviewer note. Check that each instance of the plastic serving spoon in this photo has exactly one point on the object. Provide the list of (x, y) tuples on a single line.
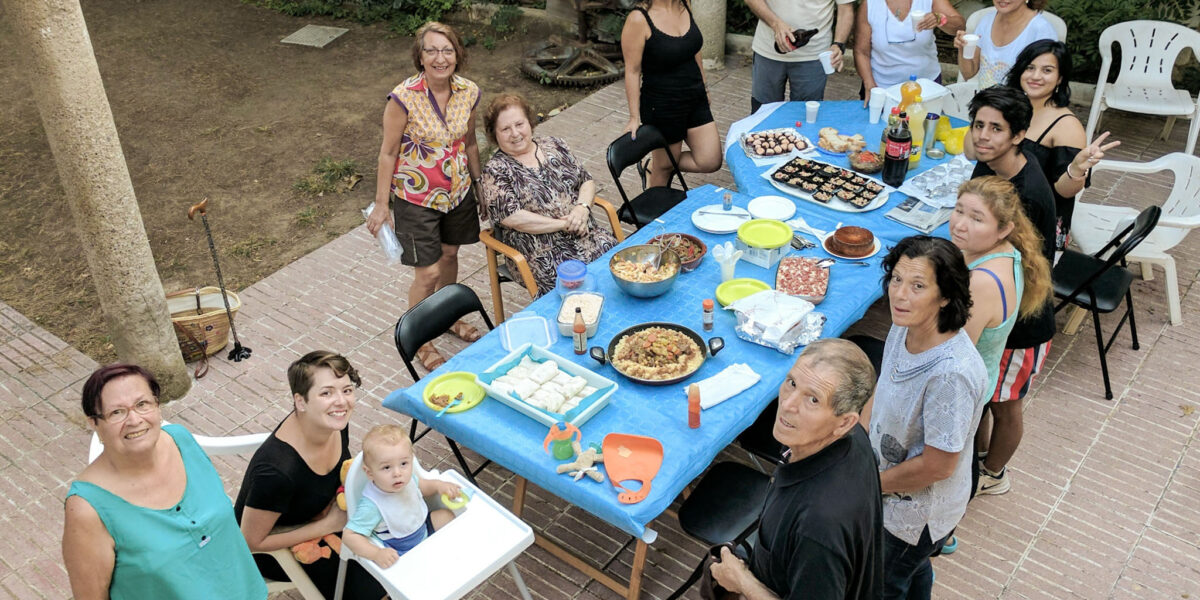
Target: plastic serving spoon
[(451, 404)]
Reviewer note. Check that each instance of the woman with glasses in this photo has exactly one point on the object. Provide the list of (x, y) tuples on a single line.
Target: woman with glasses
[(289, 491), (149, 517), (427, 163), (890, 43)]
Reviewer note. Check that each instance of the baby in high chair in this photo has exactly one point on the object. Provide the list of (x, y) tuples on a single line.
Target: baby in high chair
[(392, 507)]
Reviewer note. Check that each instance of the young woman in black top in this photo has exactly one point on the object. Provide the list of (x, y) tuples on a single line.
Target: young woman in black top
[(664, 85), (293, 478)]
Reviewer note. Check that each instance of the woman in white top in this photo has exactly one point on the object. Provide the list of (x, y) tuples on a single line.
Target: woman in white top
[(889, 45), (1002, 36)]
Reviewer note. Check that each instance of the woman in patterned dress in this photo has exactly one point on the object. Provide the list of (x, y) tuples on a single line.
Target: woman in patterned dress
[(427, 161), (537, 195)]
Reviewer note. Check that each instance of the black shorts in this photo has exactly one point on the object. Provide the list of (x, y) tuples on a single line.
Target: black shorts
[(674, 117), (422, 231)]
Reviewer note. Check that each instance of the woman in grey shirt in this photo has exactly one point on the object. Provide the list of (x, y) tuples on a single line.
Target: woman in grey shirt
[(931, 391)]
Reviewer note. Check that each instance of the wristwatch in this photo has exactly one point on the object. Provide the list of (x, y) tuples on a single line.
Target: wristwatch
[(841, 46)]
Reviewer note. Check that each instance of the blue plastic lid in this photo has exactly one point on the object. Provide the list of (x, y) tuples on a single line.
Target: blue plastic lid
[(571, 270), (525, 327)]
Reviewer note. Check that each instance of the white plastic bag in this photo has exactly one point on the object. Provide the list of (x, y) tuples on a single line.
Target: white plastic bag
[(387, 238)]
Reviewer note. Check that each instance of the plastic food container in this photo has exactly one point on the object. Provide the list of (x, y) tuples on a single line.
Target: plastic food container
[(525, 328), (592, 304), (572, 277), (763, 241)]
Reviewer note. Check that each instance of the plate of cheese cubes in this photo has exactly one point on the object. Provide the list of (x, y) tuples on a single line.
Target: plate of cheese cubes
[(546, 387)]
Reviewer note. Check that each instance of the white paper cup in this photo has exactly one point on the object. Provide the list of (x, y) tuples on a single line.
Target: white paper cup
[(810, 111), (972, 41), (727, 267), (826, 59), (916, 16), (875, 105)]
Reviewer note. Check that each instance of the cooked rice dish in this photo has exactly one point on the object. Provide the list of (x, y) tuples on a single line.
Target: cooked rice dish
[(657, 353), (642, 272)]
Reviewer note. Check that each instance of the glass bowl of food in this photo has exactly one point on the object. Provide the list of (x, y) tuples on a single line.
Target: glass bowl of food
[(645, 271), (866, 162), (689, 248)]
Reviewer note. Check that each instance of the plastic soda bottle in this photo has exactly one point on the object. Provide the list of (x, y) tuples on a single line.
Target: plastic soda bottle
[(895, 159), (909, 90), (893, 121), (916, 120)]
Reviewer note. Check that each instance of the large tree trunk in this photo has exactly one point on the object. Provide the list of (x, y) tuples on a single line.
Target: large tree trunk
[(53, 39)]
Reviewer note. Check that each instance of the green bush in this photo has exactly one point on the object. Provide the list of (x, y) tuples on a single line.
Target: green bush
[(739, 18)]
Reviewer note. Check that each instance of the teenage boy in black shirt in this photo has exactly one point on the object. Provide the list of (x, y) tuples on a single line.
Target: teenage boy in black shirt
[(821, 532), (999, 118)]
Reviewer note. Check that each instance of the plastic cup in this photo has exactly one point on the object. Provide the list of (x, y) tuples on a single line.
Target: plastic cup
[(810, 111), (826, 59), (916, 16), (727, 267), (875, 104), (972, 41)]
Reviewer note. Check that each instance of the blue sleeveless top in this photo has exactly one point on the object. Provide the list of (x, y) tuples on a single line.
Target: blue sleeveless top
[(992, 339), (191, 551)]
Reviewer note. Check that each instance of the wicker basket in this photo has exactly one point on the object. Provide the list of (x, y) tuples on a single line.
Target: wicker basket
[(201, 325)]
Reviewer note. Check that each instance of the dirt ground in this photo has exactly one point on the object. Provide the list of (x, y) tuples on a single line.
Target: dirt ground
[(209, 103)]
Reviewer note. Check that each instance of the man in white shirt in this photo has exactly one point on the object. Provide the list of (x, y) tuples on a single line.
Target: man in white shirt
[(800, 68)]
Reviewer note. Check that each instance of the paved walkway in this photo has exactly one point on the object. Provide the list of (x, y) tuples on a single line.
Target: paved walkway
[(1104, 492)]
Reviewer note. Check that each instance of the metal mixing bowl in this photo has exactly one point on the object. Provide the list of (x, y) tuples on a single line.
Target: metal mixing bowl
[(645, 253)]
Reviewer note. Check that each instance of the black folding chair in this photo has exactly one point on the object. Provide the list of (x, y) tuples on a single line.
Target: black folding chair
[(424, 322), (654, 201), (1097, 283), (759, 439), (723, 507)]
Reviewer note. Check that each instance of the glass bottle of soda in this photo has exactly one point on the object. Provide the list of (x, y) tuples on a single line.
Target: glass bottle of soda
[(895, 158)]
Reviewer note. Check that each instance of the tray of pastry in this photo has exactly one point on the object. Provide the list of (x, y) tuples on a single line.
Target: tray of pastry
[(546, 387), (771, 143), (829, 185)]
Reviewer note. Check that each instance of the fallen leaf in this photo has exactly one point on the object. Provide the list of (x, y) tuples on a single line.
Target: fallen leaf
[(354, 179), (1187, 409)]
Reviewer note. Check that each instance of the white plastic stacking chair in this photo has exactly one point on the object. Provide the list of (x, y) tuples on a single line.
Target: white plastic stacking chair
[(957, 102), (483, 537), (246, 444), (1093, 225), (1143, 85), (1059, 25)]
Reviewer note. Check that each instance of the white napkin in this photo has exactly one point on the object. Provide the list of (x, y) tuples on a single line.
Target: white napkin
[(730, 382)]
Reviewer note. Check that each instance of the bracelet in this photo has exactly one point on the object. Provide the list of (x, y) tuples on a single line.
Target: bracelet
[(942, 19), (1070, 176)]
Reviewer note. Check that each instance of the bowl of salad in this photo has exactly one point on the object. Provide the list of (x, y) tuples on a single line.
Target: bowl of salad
[(689, 248)]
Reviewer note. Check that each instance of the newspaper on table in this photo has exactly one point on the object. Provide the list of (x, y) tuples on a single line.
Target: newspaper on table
[(919, 215)]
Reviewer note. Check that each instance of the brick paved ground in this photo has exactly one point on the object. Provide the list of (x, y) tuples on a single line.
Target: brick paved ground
[(1104, 493)]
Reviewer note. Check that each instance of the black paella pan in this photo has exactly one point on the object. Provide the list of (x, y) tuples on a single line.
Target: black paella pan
[(711, 348)]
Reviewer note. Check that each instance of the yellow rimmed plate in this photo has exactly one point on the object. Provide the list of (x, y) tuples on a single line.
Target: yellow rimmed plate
[(452, 384), (765, 233), (735, 289)]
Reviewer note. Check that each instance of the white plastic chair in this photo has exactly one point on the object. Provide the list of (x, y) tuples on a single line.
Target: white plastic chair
[(1093, 225), (246, 444), (1059, 25), (957, 102), (454, 560), (1148, 53)]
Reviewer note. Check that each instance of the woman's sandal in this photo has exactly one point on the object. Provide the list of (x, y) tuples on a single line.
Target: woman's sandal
[(465, 331), (429, 357)]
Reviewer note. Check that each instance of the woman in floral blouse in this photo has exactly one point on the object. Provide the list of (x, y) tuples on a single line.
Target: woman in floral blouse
[(537, 195), (427, 161)]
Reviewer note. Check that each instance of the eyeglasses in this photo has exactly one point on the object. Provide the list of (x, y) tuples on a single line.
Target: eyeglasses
[(432, 52), (117, 416)]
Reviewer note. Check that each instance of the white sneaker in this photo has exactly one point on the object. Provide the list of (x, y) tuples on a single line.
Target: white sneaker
[(992, 484)]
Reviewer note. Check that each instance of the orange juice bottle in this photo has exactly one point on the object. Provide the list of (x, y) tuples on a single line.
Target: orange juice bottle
[(909, 90)]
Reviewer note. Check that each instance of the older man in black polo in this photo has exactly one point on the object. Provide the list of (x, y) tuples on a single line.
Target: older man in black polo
[(820, 536)]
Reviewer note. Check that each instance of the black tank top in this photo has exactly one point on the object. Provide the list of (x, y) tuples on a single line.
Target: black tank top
[(669, 62)]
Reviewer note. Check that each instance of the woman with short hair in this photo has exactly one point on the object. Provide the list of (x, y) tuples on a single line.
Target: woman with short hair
[(1002, 36), (537, 194), (931, 391)]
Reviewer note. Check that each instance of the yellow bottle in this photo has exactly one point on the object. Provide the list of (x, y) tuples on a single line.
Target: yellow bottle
[(908, 91), (916, 120)]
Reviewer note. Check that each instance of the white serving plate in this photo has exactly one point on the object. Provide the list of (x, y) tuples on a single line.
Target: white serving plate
[(715, 223), (539, 415), (778, 208), (878, 246)]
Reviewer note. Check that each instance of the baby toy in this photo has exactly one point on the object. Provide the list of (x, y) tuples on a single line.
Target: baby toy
[(560, 435), (584, 464), (311, 551), (341, 493)]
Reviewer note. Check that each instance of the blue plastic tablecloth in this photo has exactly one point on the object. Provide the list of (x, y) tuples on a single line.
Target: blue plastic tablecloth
[(515, 441), (849, 117)]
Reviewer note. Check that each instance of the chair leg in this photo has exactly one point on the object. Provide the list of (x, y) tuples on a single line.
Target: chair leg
[(340, 588), (516, 575), (1100, 348), (1168, 126), (1172, 284), (1071, 327), (1193, 130), (462, 462), (494, 277), (1147, 271), (1132, 324)]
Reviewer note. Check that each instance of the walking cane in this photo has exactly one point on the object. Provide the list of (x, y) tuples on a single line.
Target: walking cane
[(239, 352)]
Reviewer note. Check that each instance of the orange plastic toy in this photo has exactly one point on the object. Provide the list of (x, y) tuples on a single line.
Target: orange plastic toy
[(631, 458)]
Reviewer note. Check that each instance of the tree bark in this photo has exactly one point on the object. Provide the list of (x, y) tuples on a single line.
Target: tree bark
[(62, 72)]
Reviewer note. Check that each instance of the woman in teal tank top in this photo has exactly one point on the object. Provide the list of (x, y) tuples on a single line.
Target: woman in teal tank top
[(149, 517)]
